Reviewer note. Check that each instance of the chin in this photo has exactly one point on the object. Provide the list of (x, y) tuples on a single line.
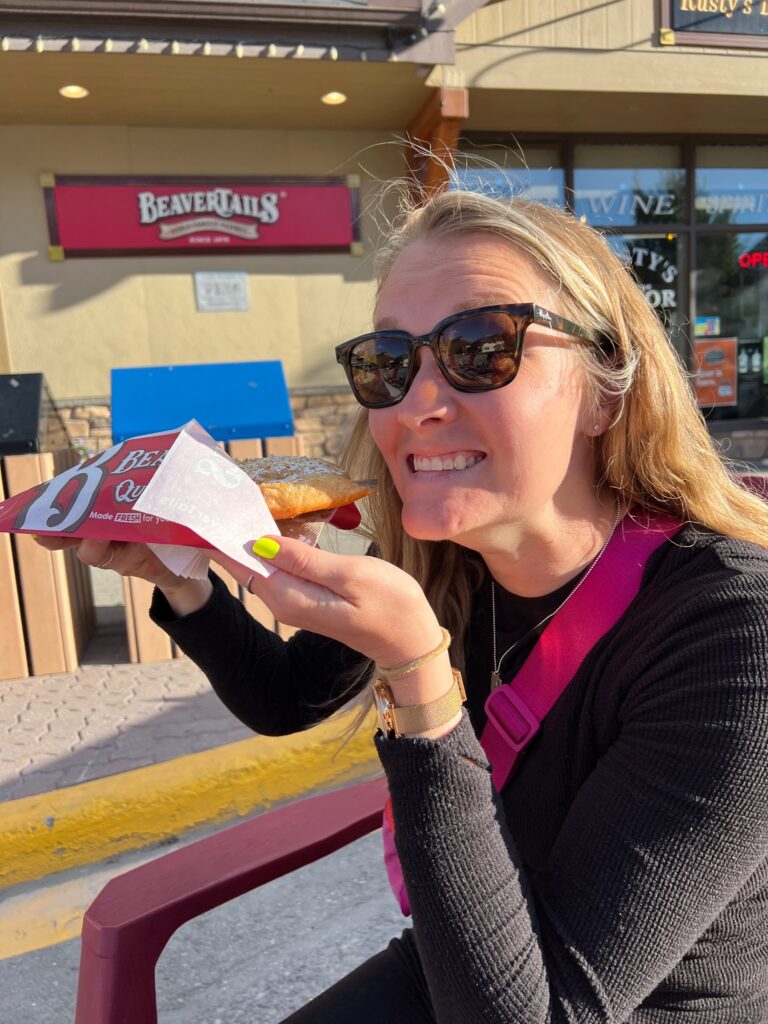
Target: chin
[(425, 533), (435, 525), (423, 527)]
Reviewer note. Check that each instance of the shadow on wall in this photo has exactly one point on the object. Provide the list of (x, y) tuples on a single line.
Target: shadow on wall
[(78, 280)]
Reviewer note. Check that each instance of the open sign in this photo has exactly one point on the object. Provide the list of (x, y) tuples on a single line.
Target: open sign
[(753, 259)]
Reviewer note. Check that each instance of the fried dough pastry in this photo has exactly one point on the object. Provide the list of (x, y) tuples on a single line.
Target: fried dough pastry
[(293, 485)]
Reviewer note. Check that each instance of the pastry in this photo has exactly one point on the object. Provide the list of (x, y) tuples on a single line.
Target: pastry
[(293, 485)]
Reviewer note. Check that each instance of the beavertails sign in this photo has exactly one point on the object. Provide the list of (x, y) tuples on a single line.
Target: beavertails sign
[(108, 216)]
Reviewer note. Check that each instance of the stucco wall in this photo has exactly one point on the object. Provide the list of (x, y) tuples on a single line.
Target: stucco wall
[(75, 320), (582, 65), (613, 45)]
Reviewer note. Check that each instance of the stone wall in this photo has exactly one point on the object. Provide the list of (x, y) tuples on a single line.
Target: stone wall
[(321, 416), (323, 419), (89, 424)]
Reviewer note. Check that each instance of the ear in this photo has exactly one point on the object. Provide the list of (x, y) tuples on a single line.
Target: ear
[(597, 419)]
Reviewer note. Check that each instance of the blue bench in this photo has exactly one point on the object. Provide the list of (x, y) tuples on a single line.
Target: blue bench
[(230, 400)]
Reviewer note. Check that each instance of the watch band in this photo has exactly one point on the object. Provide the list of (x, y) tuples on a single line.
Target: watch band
[(407, 720)]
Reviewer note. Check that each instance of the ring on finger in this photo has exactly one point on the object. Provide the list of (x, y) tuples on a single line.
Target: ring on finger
[(107, 560), (248, 583)]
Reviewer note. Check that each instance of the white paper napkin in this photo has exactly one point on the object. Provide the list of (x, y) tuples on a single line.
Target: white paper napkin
[(200, 486)]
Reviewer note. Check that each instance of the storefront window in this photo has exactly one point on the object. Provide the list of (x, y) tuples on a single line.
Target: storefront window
[(732, 184), (506, 173), (716, 317), (731, 325), (657, 262), (628, 186)]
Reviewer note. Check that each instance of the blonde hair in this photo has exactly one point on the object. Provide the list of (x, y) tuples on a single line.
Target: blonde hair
[(656, 454)]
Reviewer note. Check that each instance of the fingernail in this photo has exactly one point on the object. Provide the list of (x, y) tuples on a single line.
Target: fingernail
[(34, 536), (265, 547)]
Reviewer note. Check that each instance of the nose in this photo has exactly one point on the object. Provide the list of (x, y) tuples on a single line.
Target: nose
[(430, 396)]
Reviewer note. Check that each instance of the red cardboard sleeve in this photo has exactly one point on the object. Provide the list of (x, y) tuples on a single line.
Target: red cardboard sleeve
[(96, 498), (176, 488)]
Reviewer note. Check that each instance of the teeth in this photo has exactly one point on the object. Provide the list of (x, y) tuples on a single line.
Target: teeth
[(438, 463)]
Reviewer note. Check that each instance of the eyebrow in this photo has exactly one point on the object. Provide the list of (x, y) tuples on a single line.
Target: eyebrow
[(475, 302)]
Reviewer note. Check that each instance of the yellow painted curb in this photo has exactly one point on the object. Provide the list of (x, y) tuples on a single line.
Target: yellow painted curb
[(52, 914), (52, 832)]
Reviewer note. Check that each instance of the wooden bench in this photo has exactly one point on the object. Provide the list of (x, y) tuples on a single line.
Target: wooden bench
[(48, 615), (130, 922)]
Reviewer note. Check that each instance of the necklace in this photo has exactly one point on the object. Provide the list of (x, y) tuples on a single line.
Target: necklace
[(496, 674)]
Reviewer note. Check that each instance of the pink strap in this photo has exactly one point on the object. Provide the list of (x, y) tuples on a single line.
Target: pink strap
[(391, 859), (516, 709)]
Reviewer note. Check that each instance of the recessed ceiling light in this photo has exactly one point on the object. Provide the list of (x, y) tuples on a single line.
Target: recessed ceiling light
[(333, 99), (73, 92)]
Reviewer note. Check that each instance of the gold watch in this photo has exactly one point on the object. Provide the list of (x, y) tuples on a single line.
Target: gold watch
[(415, 718)]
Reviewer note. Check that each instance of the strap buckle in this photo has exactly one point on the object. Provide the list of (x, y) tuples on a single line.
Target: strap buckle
[(513, 719)]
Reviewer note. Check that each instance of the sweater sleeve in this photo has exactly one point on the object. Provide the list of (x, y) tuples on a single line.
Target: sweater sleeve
[(273, 686), (664, 832)]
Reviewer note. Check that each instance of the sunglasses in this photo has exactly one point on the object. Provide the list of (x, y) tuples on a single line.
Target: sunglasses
[(476, 350)]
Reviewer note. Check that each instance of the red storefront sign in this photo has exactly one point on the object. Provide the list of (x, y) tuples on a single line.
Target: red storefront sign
[(109, 216)]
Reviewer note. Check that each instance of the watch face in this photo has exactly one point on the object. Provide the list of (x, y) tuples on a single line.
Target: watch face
[(384, 704)]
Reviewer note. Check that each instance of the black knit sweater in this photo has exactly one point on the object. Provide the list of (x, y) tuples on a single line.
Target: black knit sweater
[(623, 873)]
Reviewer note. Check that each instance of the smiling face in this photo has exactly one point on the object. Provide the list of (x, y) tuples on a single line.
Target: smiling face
[(485, 470)]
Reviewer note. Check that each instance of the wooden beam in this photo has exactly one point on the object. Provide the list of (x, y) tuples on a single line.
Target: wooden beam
[(442, 104), (445, 142), (434, 136)]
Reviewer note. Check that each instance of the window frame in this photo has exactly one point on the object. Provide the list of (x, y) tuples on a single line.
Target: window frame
[(688, 228)]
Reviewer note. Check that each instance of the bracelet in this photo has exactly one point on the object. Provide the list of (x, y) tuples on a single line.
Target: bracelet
[(400, 671), (398, 721)]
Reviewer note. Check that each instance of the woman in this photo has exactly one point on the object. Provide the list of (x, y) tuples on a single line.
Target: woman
[(622, 872)]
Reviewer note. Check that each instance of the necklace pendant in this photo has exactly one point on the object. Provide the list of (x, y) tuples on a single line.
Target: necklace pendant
[(495, 681)]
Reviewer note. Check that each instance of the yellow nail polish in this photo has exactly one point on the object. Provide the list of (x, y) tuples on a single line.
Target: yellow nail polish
[(265, 547)]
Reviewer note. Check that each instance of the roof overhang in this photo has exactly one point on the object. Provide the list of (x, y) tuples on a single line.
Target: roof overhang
[(216, 63), (201, 92), (368, 30)]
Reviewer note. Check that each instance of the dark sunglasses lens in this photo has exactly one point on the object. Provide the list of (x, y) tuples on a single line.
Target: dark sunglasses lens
[(380, 368), (481, 351)]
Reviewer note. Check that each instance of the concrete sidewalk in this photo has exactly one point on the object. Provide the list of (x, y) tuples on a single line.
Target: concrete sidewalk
[(117, 757), (107, 717)]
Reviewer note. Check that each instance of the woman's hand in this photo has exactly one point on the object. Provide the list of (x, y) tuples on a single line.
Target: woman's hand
[(132, 559), (367, 604)]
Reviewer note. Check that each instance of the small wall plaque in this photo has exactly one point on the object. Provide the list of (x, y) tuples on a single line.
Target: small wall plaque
[(221, 291)]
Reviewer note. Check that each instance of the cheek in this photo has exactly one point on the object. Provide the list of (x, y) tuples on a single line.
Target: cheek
[(538, 421), (555, 387)]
